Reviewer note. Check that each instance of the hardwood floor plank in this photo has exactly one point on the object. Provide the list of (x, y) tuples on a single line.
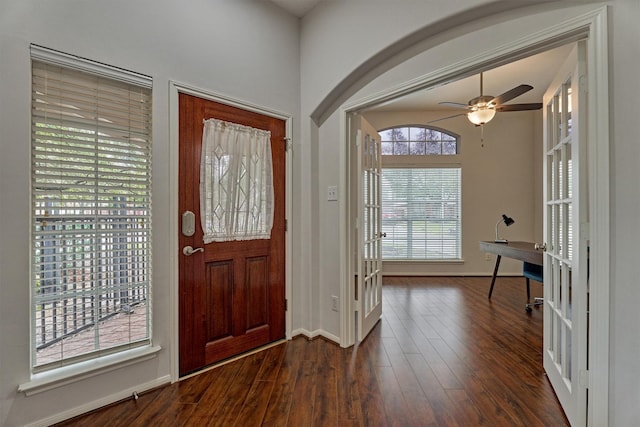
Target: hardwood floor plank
[(164, 410), (271, 364), (192, 389), (216, 385), (436, 395), (325, 409), (349, 404), (465, 409), (277, 412), (255, 404), (442, 355), (419, 411), (302, 408), (396, 408), (368, 388), (237, 392)]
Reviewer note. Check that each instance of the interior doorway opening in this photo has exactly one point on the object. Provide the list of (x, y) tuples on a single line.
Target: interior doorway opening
[(589, 28)]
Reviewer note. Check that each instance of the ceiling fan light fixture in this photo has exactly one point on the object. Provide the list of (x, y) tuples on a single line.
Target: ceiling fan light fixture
[(481, 115)]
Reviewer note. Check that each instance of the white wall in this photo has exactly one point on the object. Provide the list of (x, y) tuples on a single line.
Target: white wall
[(497, 178), (242, 49), (356, 67)]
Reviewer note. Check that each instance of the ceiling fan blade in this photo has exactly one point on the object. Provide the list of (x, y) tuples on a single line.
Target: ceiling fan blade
[(446, 118), (454, 104), (510, 94), (519, 107)]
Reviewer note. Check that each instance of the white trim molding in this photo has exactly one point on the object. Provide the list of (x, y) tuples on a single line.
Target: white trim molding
[(96, 404), (82, 64), (316, 334), (48, 380)]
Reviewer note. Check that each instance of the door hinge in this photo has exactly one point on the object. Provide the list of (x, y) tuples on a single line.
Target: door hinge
[(287, 144), (584, 378), (286, 225), (286, 305), (585, 231)]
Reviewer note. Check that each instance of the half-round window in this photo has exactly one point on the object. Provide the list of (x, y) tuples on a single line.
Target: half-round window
[(418, 141)]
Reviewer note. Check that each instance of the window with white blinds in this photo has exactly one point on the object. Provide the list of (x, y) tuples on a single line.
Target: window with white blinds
[(91, 209), (421, 213)]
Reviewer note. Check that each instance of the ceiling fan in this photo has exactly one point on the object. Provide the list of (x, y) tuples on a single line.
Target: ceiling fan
[(484, 107)]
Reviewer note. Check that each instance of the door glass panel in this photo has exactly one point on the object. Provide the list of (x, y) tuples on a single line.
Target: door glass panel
[(371, 265), (560, 286), (558, 346), (556, 119), (569, 294), (568, 352)]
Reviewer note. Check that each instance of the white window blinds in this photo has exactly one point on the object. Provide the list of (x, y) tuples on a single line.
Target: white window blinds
[(91, 210), (421, 213), (236, 182)]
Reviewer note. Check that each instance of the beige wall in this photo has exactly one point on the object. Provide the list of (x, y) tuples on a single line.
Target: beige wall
[(504, 176)]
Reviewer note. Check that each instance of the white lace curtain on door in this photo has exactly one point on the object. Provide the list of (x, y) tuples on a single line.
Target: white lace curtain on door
[(236, 182)]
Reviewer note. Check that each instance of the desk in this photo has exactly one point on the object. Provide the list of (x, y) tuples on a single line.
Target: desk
[(523, 251)]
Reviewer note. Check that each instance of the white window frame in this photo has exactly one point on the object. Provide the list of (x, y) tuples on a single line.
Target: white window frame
[(73, 369), (425, 161)]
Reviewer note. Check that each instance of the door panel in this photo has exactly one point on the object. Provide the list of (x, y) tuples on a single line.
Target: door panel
[(232, 294), (370, 248), (565, 259)]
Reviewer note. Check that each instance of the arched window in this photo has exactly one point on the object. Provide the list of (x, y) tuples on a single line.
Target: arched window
[(421, 194), (418, 141)]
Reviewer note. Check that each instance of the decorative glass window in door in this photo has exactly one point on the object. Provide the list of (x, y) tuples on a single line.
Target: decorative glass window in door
[(236, 183)]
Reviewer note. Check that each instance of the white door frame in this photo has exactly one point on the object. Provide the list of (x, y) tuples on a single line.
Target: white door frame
[(592, 27), (175, 88)]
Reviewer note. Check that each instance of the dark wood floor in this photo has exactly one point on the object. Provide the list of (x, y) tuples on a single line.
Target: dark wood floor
[(443, 355)]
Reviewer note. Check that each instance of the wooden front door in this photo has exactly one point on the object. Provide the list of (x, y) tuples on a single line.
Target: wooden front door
[(231, 294)]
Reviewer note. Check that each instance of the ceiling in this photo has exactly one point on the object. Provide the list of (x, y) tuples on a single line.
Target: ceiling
[(297, 7), (537, 70)]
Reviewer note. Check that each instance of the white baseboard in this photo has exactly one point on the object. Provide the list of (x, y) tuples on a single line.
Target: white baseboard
[(446, 274), (107, 400), (315, 334)]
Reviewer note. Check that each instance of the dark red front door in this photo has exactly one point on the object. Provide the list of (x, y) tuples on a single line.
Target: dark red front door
[(232, 295)]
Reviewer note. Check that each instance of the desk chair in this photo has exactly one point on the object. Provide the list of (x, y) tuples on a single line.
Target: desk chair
[(533, 272)]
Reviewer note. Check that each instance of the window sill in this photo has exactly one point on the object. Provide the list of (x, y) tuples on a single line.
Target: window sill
[(424, 261), (55, 378)]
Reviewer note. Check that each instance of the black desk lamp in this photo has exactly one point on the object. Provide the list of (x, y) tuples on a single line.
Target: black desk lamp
[(507, 221)]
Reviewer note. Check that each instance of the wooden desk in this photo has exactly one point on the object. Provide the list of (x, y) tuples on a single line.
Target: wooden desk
[(523, 251)]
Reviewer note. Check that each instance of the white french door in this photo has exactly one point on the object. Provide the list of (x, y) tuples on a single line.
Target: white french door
[(369, 270), (565, 228)]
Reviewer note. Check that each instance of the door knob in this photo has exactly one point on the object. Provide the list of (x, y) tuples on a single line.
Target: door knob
[(188, 250), (383, 234), (540, 247)]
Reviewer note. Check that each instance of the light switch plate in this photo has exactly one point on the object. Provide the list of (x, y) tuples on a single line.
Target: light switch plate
[(332, 193)]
